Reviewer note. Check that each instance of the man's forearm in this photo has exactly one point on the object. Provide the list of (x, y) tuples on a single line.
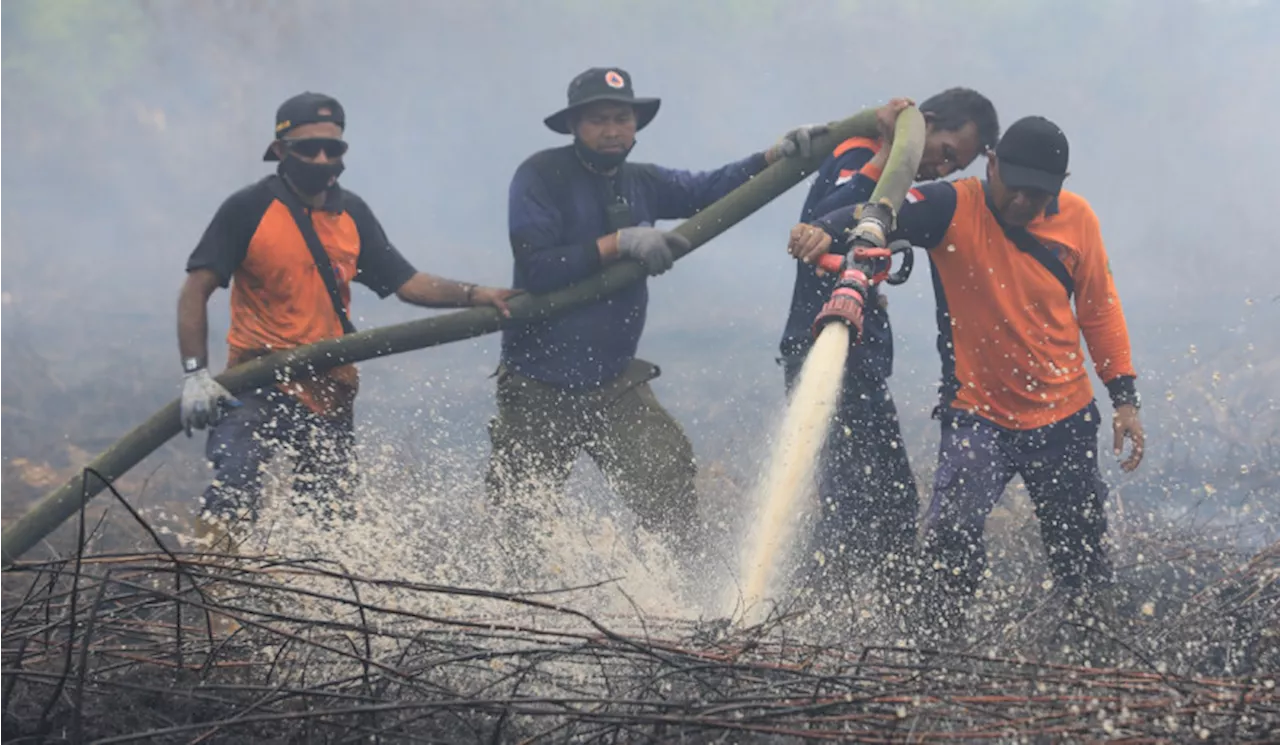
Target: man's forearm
[(193, 328), (684, 193), (1106, 335), (431, 291)]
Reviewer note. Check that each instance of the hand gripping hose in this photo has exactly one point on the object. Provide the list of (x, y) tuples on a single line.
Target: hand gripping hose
[(869, 259)]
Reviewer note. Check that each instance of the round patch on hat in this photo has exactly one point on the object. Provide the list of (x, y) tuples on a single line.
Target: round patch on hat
[(613, 79)]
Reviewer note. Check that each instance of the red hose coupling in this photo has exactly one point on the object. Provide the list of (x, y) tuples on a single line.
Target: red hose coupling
[(845, 306)]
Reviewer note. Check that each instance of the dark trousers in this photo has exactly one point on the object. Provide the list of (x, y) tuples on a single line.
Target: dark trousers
[(540, 430), (866, 488), (1058, 463), (270, 422)]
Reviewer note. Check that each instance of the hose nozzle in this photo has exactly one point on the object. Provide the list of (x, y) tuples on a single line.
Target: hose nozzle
[(846, 305)]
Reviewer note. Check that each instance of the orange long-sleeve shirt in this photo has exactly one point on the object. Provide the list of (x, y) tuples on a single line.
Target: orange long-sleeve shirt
[(1009, 337)]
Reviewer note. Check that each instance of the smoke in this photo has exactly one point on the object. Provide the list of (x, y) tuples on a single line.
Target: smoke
[(126, 124)]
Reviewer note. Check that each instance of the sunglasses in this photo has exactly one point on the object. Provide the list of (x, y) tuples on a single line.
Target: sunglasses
[(311, 147)]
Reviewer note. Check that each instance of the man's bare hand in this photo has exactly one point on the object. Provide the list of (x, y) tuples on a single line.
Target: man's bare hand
[(1125, 424), (887, 119), (808, 243), (495, 296)]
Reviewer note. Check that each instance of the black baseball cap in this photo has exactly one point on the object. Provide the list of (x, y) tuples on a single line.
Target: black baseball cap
[(603, 84), (1032, 154), (306, 108)]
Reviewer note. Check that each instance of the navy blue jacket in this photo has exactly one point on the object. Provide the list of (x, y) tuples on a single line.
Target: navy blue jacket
[(556, 212), (842, 182)]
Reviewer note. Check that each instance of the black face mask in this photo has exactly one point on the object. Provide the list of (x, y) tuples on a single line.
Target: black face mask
[(600, 162), (310, 178)]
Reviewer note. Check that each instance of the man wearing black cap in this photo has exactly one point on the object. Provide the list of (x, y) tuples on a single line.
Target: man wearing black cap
[(573, 383), (1009, 256), (289, 246)]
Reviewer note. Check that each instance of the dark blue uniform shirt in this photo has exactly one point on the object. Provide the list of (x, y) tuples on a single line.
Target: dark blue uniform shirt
[(556, 212), (841, 183)]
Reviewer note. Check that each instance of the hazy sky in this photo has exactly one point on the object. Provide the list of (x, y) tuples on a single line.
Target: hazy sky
[(124, 129)]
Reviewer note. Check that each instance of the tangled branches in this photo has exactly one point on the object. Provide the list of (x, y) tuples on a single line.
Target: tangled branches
[(210, 647), (199, 648)]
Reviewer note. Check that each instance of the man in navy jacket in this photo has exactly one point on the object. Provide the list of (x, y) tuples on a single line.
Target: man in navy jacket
[(572, 383), (865, 486)]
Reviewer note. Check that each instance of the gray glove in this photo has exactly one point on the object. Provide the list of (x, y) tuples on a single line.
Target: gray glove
[(202, 400), (798, 141), (651, 247)]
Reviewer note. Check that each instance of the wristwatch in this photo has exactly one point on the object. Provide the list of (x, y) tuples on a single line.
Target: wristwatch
[(191, 364)]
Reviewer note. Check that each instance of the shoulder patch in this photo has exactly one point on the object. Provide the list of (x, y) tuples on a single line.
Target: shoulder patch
[(915, 195), (1069, 257)]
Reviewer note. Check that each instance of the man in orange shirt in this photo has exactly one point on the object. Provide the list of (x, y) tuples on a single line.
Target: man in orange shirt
[(289, 246), (1009, 255)]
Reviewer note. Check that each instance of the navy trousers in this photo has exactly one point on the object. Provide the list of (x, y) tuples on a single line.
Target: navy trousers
[(1058, 463), (270, 422)]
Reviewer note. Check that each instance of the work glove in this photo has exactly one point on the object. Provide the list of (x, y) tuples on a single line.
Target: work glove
[(651, 247), (797, 142), (202, 400)]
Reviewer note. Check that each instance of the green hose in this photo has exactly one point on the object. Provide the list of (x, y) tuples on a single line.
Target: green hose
[(60, 504), (904, 159)]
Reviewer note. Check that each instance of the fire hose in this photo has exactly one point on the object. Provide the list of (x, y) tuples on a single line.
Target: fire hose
[(869, 260), (58, 505)]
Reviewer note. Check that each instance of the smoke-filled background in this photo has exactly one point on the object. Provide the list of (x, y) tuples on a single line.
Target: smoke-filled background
[(125, 124)]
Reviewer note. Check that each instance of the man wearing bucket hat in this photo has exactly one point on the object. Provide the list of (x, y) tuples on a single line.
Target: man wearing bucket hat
[(289, 247), (1010, 254), (572, 383)]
